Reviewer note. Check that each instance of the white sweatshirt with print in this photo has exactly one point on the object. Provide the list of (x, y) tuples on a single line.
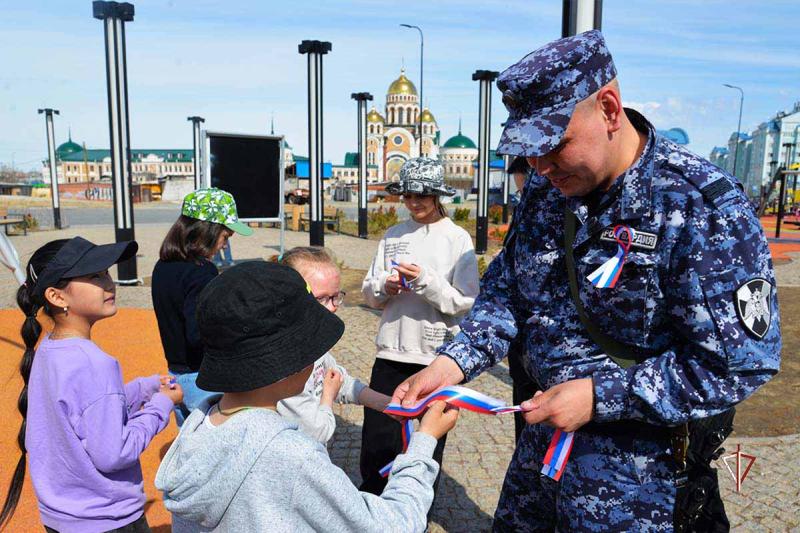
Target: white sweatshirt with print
[(315, 420), (415, 323)]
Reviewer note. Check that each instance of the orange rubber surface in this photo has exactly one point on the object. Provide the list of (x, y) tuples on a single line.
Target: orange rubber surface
[(132, 337)]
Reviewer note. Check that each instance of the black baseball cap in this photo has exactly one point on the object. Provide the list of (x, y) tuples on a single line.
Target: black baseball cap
[(79, 257), (259, 323)]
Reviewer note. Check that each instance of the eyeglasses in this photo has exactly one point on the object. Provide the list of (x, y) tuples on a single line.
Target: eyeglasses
[(335, 300)]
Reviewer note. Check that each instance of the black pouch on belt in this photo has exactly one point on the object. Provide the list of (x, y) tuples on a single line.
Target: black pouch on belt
[(698, 504)]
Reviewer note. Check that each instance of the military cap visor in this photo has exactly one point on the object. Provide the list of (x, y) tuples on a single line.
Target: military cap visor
[(536, 134)]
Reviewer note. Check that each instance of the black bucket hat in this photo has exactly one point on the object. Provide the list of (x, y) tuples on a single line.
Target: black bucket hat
[(79, 257), (259, 324)]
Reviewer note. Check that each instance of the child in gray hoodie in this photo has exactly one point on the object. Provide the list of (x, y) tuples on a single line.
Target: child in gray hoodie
[(237, 465)]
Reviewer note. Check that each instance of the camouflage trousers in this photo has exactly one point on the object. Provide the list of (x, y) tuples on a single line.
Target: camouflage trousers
[(611, 483)]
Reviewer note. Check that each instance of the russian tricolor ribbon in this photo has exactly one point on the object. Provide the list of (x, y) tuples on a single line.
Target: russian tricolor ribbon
[(470, 400), (606, 276), (555, 460)]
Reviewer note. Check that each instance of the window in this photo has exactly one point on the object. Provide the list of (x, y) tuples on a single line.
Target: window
[(398, 140), (400, 116)]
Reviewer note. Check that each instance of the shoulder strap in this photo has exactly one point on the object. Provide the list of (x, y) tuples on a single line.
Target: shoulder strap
[(621, 354)]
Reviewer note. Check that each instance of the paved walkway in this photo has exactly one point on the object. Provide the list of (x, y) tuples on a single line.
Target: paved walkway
[(479, 449)]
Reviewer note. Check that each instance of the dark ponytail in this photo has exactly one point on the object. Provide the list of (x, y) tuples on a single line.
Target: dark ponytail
[(30, 331)]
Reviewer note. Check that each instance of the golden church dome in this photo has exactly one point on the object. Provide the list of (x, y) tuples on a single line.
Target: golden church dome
[(402, 85), (427, 116), (374, 116)]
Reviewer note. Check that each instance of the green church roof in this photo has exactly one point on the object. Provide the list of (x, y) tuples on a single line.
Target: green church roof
[(68, 147), (459, 141), (177, 155)]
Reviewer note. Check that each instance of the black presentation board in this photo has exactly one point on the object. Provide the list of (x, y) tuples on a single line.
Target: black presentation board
[(248, 167)]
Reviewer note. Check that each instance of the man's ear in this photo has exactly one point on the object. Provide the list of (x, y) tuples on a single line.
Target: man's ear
[(55, 297), (610, 104)]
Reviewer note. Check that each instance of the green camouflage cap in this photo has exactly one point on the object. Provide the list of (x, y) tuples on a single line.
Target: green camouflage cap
[(214, 205)]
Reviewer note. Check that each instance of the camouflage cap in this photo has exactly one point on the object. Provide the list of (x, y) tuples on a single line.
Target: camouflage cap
[(214, 205), (543, 88), (421, 175)]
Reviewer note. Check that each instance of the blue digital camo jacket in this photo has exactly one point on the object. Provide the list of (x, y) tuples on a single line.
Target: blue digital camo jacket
[(697, 292)]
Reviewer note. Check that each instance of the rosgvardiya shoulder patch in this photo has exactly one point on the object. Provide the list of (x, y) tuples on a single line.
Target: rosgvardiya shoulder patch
[(753, 305)]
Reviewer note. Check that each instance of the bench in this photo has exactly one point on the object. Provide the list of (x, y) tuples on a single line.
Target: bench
[(330, 217), (15, 220)]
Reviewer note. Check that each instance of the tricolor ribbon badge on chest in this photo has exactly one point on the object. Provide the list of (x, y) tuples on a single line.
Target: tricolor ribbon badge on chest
[(606, 276)]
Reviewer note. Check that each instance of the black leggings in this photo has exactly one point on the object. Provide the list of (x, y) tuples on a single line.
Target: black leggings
[(138, 526), (381, 435)]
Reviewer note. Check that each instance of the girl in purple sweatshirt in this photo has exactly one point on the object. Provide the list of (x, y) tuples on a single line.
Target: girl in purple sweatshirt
[(82, 429)]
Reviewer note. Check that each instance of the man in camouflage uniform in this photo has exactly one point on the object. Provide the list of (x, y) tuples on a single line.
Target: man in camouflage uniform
[(695, 302)]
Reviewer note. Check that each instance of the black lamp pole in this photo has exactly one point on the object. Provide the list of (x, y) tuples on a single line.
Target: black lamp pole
[(578, 16), (315, 51), (362, 99), (51, 156), (114, 16), (196, 121), (485, 78)]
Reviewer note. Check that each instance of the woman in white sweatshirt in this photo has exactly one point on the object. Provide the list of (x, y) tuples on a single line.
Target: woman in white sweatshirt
[(425, 278)]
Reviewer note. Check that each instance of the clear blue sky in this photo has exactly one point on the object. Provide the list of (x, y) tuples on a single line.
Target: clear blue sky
[(236, 63)]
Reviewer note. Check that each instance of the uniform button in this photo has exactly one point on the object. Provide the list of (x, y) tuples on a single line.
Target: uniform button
[(246, 329)]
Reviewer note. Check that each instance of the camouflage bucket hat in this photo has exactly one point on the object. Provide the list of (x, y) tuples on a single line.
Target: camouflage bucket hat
[(421, 175), (543, 88), (214, 205)]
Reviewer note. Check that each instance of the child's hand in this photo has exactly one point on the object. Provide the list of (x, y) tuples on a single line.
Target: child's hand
[(173, 391), (408, 270), (439, 419), (330, 386), (167, 381), (393, 285)]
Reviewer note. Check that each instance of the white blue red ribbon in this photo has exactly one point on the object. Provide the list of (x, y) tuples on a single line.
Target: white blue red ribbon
[(555, 460), (606, 276), (461, 397), (403, 281), (471, 400), (408, 429)]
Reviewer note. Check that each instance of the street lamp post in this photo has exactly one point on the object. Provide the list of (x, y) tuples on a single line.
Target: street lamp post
[(51, 155), (196, 121), (315, 51), (578, 16), (421, 101), (739, 126), (362, 99), (485, 78), (114, 16)]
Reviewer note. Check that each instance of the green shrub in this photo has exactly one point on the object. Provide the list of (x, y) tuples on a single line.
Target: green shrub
[(379, 220), (461, 214)]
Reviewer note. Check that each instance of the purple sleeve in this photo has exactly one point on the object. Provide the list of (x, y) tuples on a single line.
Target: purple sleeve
[(115, 441), (140, 390)]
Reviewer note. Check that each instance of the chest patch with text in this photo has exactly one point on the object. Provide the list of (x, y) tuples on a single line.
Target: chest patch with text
[(641, 239)]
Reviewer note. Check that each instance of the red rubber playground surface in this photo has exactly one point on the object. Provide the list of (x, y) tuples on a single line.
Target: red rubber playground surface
[(132, 337)]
